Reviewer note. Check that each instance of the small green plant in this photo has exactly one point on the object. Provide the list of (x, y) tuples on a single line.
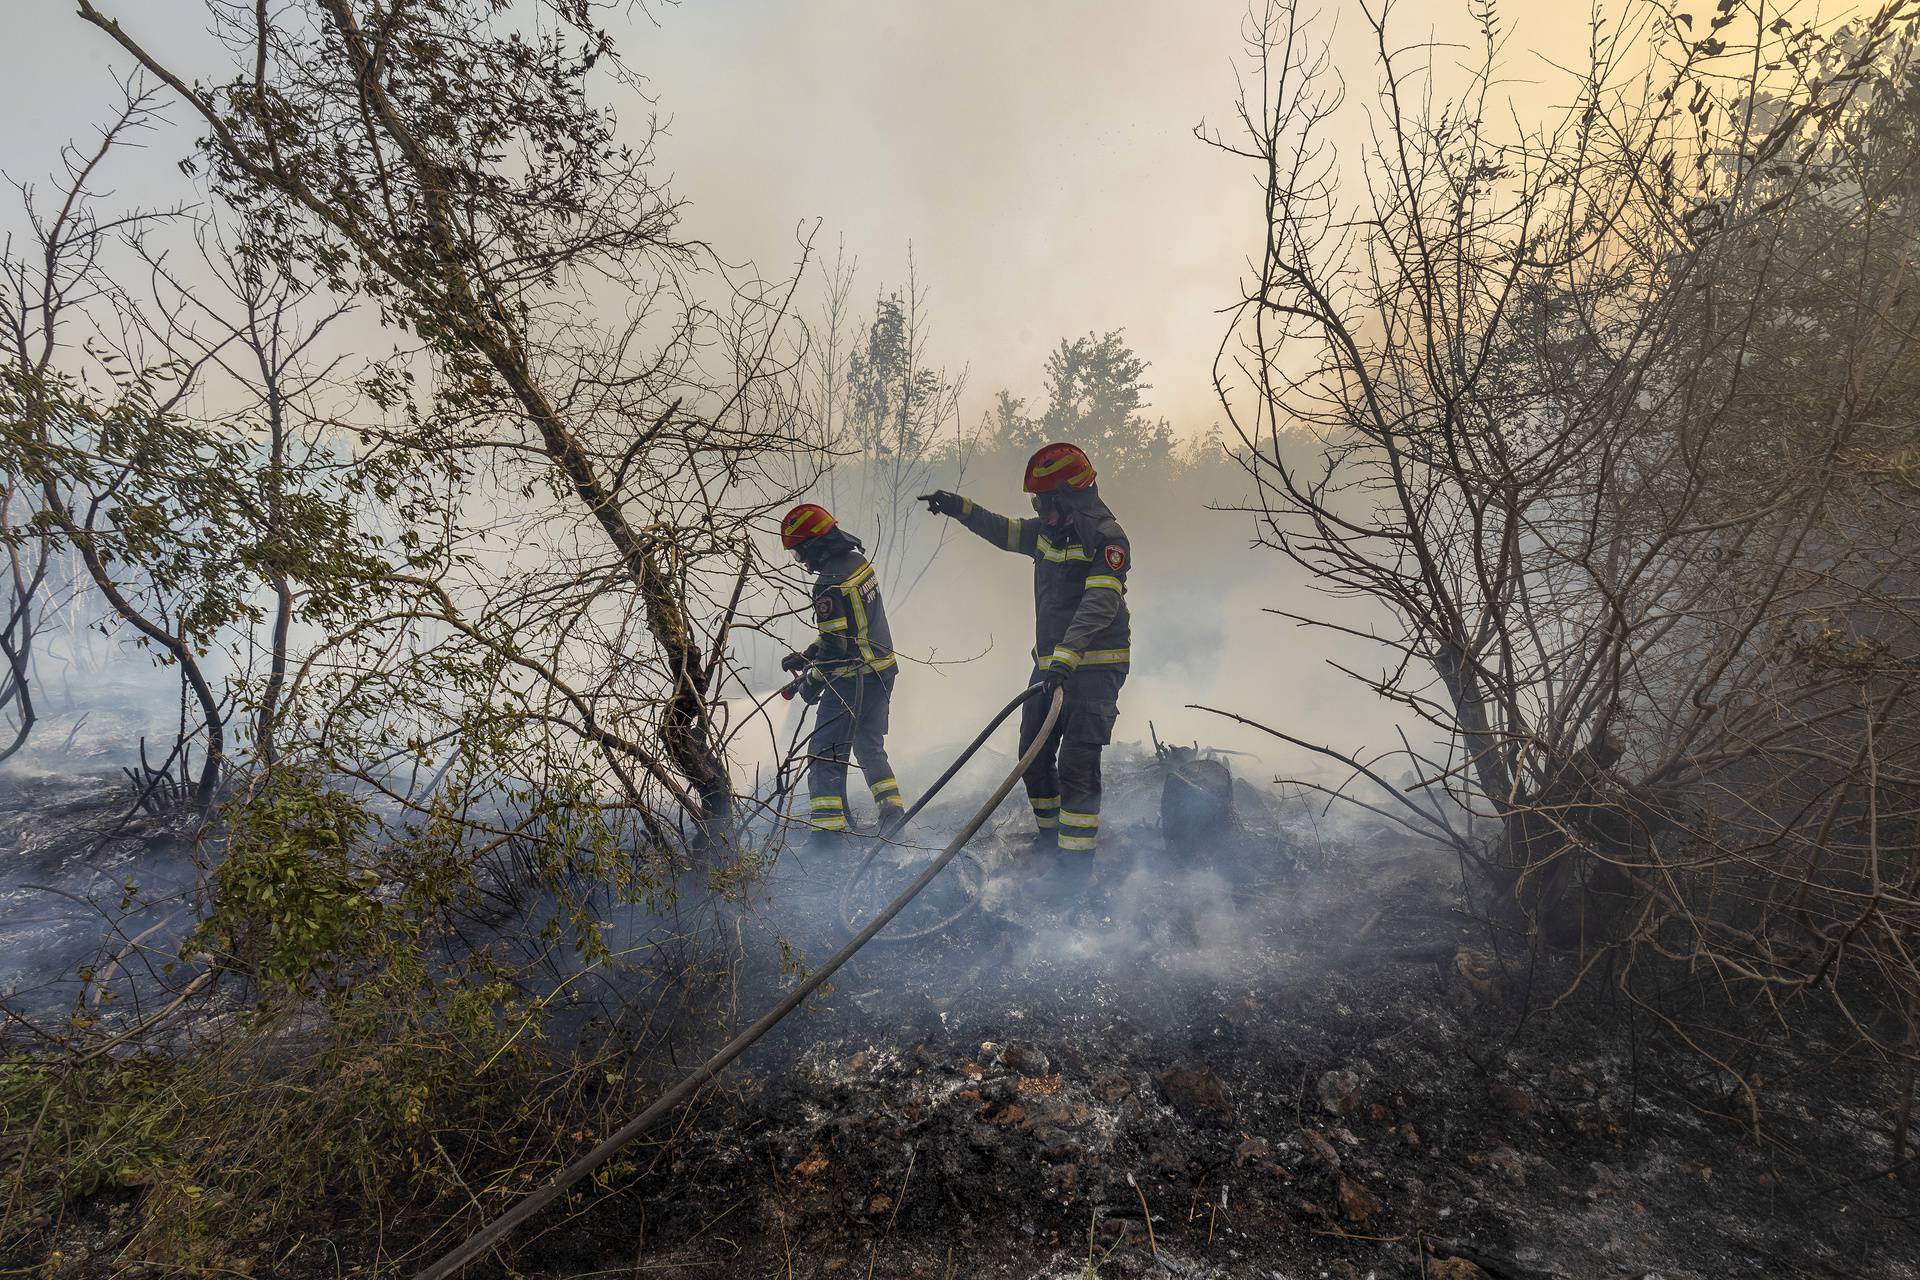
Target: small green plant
[(72, 1133), (293, 903)]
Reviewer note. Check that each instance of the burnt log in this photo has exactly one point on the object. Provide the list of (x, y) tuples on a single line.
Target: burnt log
[(1196, 798)]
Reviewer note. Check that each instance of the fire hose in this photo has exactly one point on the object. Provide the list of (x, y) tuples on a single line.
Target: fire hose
[(852, 882), (497, 1230)]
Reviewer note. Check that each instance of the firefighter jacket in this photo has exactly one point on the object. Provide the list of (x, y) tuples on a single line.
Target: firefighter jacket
[(854, 637), (1079, 581)]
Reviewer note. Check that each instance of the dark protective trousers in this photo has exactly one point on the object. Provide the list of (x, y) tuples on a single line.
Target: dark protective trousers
[(1063, 782), (850, 721)]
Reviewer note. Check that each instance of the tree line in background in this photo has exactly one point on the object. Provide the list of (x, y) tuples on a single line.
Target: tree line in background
[(889, 424), (436, 459)]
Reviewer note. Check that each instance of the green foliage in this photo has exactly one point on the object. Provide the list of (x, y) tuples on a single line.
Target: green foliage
[(75, 1132), (1009, 428), (379, 1063), (186, 515), (1096, 398), (895, 403), (294, 903)]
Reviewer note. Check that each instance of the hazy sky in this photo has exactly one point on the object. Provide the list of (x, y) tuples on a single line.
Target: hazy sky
[(1036, 154)]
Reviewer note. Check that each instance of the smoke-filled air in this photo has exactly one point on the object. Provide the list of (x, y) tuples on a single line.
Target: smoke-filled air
[(989, 641)]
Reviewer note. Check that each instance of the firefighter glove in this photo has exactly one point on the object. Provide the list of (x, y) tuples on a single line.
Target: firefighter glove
[(943, 503), (794, 662), (1054, 676)]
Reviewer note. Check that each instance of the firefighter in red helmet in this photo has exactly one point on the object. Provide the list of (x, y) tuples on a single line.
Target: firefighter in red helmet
[(848, 672), (1081, 630)]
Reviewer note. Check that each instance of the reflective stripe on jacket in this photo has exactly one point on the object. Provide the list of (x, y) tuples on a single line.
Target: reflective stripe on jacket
[(1080, 572), (852, 620)]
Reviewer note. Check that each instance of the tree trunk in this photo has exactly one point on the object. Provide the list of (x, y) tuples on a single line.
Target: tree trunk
[(457, 296)]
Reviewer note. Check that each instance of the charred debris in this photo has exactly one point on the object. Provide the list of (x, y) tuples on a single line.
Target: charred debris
[(397, 796)]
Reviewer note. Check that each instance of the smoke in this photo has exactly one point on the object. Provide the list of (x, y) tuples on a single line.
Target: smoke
[(1024, 258), (1198, 594), (1181, 916), (1038, 159)]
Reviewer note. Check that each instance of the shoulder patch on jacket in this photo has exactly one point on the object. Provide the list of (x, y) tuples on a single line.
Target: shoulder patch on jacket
[(1116, 556), (823, 606)]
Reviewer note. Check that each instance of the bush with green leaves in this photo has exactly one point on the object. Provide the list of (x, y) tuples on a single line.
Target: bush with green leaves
[(295, 903)]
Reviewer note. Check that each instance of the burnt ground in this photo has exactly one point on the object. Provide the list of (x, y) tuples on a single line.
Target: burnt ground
[(1286, 1056), (82, 870), (1283, 1053)]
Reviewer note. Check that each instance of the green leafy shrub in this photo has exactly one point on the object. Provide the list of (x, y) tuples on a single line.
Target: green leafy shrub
[(114, 1124), (294, 902)]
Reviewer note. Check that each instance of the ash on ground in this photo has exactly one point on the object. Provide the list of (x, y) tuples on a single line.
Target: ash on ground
[(1264, 1042), (1281, 1051)]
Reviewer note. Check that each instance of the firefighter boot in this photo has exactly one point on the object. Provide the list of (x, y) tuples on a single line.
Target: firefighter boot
[(827, 840), (1068, 877), (1038, 850)]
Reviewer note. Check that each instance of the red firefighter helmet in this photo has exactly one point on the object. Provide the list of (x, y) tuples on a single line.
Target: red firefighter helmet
[(803, 522), (1058, 466)]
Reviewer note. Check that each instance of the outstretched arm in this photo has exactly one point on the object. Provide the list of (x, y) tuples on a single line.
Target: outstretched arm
[(1009, 534)]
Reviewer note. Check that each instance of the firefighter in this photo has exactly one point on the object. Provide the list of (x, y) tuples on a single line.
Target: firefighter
[(848, 672), (1080, 562)]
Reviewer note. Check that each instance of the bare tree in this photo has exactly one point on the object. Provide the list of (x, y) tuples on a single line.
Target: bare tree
[(56, 434), (46, 280), (259, 331), (1594, 403), (885, 418), (173, 438), (447, 160), (27, 561)]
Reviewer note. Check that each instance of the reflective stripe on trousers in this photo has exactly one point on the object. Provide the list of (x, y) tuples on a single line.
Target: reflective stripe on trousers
[(827, 813), (1044, 810), (850, 722), (1079, 832)]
